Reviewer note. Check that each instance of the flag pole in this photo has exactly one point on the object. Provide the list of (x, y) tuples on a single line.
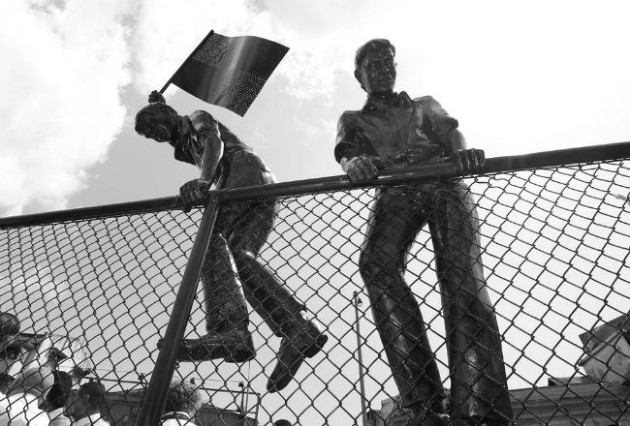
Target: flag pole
[(189, 56)]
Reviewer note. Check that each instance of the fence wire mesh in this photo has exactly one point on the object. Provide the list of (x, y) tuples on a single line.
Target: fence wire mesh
[(94, 296)]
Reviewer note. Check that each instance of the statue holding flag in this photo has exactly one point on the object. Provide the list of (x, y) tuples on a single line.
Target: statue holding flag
[(231, 272)]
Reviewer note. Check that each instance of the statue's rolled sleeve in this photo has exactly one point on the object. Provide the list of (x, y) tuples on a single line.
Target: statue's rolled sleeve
[(441, 122), (347, 145)]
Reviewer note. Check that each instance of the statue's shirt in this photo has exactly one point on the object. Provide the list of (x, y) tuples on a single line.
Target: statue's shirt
[(395, 128), (239, 166)]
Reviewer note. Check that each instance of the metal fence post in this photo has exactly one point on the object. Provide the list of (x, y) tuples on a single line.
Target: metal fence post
[(155, 397), (357, 303)]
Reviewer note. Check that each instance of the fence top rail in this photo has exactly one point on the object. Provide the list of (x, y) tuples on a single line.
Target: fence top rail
[(556, 158)]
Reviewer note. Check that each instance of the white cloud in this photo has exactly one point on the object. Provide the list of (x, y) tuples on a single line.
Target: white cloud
[(308, 67), (65, 63), (62, 70), (521, 77), (166, 32)]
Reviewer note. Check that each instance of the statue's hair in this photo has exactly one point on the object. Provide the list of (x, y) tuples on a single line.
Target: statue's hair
[(152, 109), (371, 46), (183, 396)]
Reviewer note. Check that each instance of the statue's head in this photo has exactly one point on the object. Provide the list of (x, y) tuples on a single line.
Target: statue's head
[(159, 122), (374, 66)]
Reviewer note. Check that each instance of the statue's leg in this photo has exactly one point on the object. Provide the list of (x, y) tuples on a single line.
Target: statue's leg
[(393, 225), (302, 337), (227, 318), (478, 380)]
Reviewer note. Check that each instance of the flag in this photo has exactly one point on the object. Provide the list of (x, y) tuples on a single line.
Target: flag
[(229, 71)]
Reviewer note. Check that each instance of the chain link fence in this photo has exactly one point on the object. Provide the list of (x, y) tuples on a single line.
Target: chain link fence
[(93, 291)]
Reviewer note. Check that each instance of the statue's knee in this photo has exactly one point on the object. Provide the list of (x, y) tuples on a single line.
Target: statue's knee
[(243, 254), (218, 259), (243, 258), (370, 266)]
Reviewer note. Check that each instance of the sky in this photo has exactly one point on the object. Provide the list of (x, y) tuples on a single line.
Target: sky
[(520, 76)]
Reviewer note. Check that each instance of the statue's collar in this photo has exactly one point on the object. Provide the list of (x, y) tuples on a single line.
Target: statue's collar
[(380, 102), (185, 131), (187, 128)]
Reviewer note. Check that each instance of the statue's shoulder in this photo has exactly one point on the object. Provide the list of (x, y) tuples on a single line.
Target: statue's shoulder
[(431, 107), (202, 120), (425, 100), (351, 113), (201, 115), (348, 117)]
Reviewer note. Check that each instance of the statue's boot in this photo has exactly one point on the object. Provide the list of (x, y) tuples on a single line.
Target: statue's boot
[(284, 314), (227, 334), (233, 345), (302, 338)]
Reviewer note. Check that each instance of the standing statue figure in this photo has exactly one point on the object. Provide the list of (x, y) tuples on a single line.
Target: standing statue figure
[(240, 231), (396, 131)]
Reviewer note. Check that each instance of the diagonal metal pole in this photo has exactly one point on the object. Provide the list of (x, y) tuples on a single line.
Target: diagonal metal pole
[(155, 397)]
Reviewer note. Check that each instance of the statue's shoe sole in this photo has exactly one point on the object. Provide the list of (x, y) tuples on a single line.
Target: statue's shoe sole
[(230, 350), (234, 352)]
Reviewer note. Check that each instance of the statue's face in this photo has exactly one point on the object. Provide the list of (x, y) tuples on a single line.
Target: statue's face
[(377, 72), (159, 126)]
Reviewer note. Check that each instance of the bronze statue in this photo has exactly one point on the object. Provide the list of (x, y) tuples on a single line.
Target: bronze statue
[(240, 231), (395, 131)]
